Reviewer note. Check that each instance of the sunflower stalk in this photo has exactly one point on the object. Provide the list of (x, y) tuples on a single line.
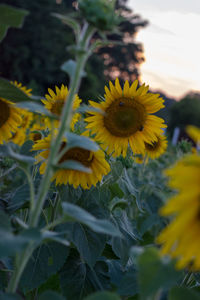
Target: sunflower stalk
[(81, 57)]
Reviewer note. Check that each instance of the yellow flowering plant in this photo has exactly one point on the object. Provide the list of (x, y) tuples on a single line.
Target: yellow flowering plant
[(84, 190)]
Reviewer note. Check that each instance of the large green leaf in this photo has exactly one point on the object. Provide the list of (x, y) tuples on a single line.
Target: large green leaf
[(182, 293), (50, 295), (79, 280), (103, 296), (89, 244), (155, 273), (45, 261), (75, 213), (121, 245), (20, 197), (10, 17), (11, 92), (11, 244), (8, 296)]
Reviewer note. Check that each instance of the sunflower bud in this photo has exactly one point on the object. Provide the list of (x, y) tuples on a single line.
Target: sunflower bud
[(99, 13)]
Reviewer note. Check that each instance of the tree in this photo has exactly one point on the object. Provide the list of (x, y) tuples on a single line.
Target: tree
[(185, 112), (33, 55)]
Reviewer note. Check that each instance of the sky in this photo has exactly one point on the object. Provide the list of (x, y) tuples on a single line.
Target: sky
[(171, 45)]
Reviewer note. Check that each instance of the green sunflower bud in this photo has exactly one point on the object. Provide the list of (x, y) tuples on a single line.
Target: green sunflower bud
[(99, 13)]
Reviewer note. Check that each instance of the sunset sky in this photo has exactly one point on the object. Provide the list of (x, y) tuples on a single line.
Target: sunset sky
[(171, 44)]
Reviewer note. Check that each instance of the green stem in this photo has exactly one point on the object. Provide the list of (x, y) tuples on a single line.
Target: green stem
[(19, 268), (82, 56)]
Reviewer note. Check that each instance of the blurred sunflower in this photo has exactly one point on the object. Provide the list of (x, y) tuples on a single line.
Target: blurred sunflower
[(156, 148), (194, 133), (10, 119), (20, 134), (54, 102), (37, 127), (127, 118), (95, 161), (181, 239)]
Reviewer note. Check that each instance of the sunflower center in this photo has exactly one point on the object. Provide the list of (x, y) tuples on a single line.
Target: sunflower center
[(37, 136), (152, 147), (85, 157), (4, 112), (124, 117), (57, 107)]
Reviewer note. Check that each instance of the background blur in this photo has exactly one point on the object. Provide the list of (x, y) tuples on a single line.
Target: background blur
[(160, 47)]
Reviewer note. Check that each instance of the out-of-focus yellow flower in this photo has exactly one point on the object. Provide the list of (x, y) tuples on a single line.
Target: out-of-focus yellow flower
[(194, 133), (156, 148), (181, 239)]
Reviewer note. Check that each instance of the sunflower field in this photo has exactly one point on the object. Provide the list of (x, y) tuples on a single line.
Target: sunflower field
[(95, 202)]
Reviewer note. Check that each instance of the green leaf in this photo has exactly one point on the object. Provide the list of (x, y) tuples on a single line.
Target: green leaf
[(45, 261), (70, 68), (103, 296), (10, 17), (23, 160), (80, 215), (74, 140), (155, 273), (77, 279), (70, 22), (89, 244), (73, 165), (182, 293), (36, 108), (121, 246), (11, 244), (50, 295), (11, 92), (20, 197), (86, 108), (8, 296)]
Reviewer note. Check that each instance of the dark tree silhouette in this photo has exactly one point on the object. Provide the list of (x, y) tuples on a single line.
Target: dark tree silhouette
[(124, 60), (33, 55)]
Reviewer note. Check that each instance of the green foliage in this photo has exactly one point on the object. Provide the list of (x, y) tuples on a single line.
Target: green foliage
[(185, 112), (100, 13), (46, 261), (103, 295), (10, 17), (154, 273)]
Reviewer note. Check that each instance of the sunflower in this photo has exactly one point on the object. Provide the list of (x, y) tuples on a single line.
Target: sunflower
[(127, 118), (156, 148), (54, 102), (194, 133), (37, 127), (10, 119), (181, 239), (95, 161), (20, 134)]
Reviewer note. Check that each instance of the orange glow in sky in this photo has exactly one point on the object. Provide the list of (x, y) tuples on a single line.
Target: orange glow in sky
[(171, 45)]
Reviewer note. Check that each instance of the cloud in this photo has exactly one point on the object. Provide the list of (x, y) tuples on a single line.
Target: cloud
[(184, 6)]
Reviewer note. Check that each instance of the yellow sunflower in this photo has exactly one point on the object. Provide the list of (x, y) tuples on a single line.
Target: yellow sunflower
[(194, 133), (156, 148), (181, 239), (10, 119), (128, 118), (54, 102), (37, 127), (90, 159), (20, 134)]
